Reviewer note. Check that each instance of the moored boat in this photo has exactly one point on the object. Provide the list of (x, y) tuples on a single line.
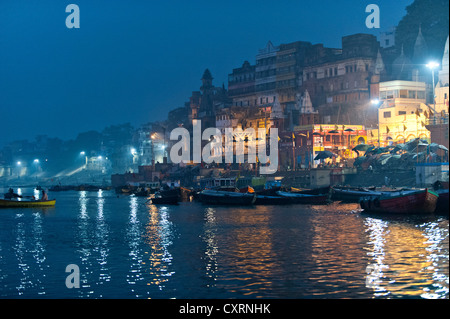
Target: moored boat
[(401, 202), (226, 198), (298, 198), (442, 205), (167, 200), (7, 203), (351, 195), (272, 200)]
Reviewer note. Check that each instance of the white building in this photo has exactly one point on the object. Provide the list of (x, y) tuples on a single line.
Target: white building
[(403, 113)]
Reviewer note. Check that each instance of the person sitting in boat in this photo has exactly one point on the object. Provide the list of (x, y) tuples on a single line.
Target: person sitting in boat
[(10, 194), (44, 195)]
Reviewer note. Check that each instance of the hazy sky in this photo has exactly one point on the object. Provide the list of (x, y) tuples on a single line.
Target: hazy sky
[(133, 61)]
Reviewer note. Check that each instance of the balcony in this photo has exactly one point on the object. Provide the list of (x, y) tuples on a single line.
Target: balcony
[(437, 120)]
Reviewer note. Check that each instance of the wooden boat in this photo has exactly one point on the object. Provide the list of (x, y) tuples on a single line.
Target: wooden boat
[(298, 198), (442, 206), (226, 198), (351, 195), (401, 202), (167, 200), (272, 200), (6, 203), (312, 191)]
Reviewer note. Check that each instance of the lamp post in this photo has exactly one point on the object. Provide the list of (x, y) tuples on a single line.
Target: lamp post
[(376, 102), (433, 65)]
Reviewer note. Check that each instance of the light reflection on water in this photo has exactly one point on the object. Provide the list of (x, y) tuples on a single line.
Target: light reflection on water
[(128, 248)]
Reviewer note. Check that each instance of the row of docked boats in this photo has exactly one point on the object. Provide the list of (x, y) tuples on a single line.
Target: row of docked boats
[(248, 196), (374, 200)]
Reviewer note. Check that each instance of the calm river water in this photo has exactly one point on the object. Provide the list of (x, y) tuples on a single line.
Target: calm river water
[(126, 248)]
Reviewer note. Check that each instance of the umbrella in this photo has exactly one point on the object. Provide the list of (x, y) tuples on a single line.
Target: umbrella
[(442, 147), (316, 133), (361, 147), (333, 131), (349, 130), (324, 154), (384, 158)]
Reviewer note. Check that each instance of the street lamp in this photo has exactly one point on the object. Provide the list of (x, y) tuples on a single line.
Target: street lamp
[(83, 153), (376, 102), (433, 65)]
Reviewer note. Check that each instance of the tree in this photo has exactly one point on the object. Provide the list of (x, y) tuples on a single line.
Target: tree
[(432, 16)]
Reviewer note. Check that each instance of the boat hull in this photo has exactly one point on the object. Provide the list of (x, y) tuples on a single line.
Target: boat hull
[(351, 195), (442, 205), (272, 200), (165, 200), (296, 198), (420, 202), (36, 203), (227, 198)]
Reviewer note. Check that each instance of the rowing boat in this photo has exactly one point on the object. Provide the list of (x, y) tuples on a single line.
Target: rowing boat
[(7, 203), (417, 202), (227, 198), (298, 198)]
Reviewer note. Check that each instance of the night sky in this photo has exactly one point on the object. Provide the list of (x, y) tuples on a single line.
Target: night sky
[(133, 61)]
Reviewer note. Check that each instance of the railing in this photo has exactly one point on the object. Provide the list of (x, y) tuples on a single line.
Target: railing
[(436, 120)]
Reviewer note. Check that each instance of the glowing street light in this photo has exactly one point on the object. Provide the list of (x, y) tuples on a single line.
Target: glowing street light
[(36, 161), (433, 65), (376, 102)]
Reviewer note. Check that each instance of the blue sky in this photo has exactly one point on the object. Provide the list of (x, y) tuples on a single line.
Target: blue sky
[(133, 61)]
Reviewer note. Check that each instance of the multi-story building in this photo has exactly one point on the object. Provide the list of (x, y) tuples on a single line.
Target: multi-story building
[(341, 82), (403, 112)]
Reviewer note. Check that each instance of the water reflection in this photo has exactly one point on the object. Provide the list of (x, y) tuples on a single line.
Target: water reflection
[(335, 252), (102, 240), (248, 257), (436, 234), (158, 237), (376, 228), (133, 235), (407, 259), (30, 253), (20, 251), (93, 244), (211, 251)]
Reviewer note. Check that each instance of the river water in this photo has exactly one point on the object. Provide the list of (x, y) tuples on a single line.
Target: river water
[(126, 248)]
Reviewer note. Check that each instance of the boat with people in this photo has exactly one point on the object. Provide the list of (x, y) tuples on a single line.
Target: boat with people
[(12, 203), (401, 202), (218, 197), (299, 198)]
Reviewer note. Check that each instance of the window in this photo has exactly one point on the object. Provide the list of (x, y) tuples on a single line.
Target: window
[(401, 112), (386, 114), (421, 95), (411, 94), (390, 94), (403, 94)]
